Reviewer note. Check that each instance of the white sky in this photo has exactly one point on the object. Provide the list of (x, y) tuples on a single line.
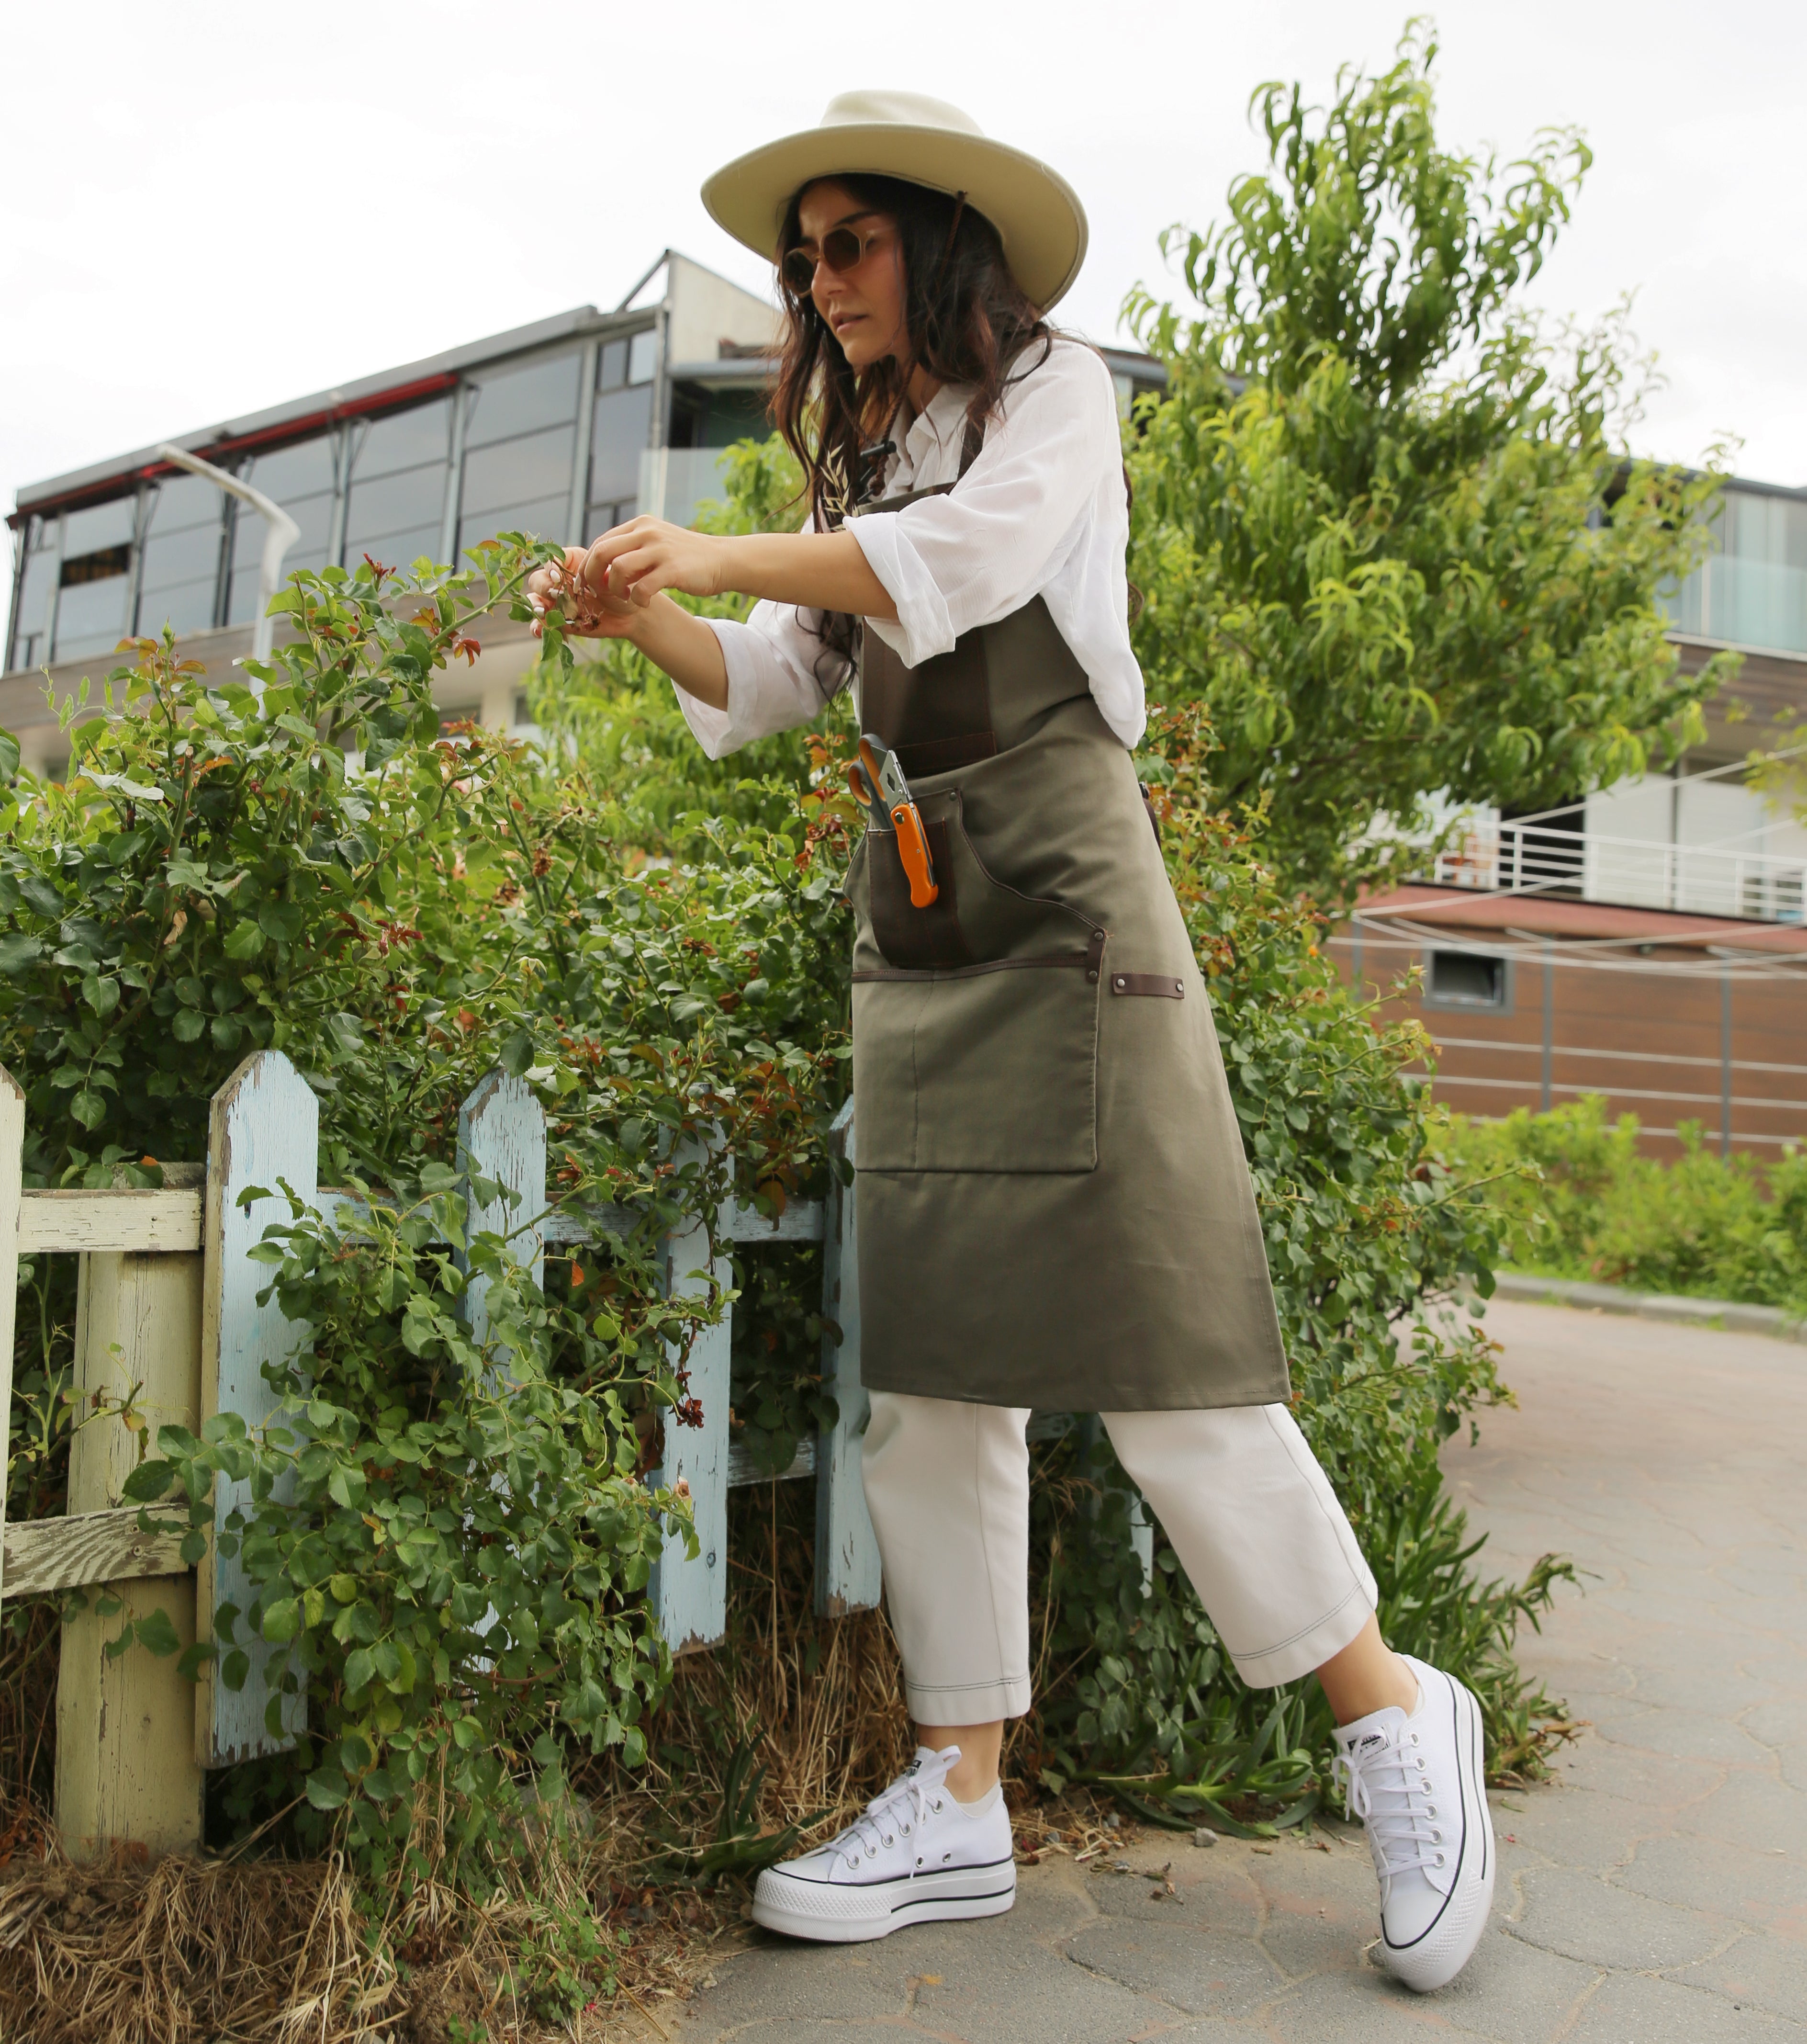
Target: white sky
[(211, 209)]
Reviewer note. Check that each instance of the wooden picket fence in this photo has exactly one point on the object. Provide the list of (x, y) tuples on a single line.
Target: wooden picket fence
[(166, 1301)]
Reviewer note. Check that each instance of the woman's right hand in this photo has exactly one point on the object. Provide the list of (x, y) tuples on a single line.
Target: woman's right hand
[(589, 613)]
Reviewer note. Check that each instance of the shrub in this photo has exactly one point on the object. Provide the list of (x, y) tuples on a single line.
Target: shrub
[(1581, 1200)]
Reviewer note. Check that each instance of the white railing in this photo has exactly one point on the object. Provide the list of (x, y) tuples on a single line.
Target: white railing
[(1700, 880)]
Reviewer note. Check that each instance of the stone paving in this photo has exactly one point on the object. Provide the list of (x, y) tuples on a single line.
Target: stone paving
[(1657, 1891)]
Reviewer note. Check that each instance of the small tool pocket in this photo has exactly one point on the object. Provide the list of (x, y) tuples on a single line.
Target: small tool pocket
[(909, 936), (976, 1042)]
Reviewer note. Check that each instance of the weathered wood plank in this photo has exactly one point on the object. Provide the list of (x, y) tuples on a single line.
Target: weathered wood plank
[(847, 1572), (502, 1135), (44, 1555), (690, 1596), (125, 1761), (741, 1470), (12, 1158), (801, 1220), (264, 1127), (166, 1222)]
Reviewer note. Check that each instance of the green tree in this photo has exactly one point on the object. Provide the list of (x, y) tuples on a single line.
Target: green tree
[(1386, 522)]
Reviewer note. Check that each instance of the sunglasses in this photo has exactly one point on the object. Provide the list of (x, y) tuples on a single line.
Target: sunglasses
[(842, 249)]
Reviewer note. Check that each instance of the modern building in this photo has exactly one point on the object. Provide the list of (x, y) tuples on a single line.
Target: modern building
[(1649, 941), (563, 428)]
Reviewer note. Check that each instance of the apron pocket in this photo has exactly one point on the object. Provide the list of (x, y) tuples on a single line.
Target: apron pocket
[(991, 1069), (910, 937)]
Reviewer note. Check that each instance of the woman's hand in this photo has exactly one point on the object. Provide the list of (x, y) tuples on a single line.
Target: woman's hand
[(634, 562), (618, 588), (589, 613)]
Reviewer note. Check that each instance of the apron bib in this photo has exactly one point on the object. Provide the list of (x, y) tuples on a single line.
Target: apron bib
[(1054, 1205)]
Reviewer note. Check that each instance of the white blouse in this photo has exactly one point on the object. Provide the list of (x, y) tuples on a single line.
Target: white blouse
[(1042, 512)]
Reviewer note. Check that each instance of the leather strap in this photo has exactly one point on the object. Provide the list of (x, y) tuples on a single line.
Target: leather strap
[(1154, 986)]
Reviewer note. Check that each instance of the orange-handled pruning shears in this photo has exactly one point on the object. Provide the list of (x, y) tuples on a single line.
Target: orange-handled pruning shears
[(894, 798)]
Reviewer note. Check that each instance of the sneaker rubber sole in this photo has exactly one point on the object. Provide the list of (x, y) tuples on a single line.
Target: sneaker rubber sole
[(1433, 1959), (833, 1914)]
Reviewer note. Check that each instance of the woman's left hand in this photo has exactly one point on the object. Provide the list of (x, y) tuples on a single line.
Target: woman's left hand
[(636, 561)]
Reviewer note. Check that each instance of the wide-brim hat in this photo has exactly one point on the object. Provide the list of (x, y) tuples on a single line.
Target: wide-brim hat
[(905, 135)]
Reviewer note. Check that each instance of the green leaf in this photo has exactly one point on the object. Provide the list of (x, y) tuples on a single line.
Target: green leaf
[(327, 1788), (149, 1480), (186, 1025), (17, 951), (517, 1052), (159, 1634), (244, 940), (282, 1620)]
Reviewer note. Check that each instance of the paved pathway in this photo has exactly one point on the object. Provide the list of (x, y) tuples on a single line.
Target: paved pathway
[(1658, 1893)]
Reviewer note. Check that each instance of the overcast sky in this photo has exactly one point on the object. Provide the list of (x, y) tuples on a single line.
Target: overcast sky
[(215, 208)]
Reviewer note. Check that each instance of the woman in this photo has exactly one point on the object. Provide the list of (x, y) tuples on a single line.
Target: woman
[(1054, 1207)]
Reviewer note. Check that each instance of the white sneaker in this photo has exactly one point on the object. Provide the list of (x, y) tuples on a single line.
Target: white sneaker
[(1418, 1784), (917, 1855)]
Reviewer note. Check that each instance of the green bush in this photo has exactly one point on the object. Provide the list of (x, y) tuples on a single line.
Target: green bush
[(1581, 1200), (658, 946)]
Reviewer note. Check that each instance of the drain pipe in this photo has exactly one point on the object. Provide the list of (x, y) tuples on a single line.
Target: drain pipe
[(281, 532)]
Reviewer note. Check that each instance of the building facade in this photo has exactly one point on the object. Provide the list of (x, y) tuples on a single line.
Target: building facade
[(1647, 942), (563, 428)]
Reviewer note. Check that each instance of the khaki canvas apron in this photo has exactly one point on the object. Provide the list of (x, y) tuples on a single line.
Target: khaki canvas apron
[(1054, 1205)]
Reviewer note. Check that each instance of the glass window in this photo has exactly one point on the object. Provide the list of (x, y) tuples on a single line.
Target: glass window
[(404, 439), (733, 415), (99, 527), (399, 471), (1752, 590), (520, 401), (545, 517), (1461, 979), (301, 480), (306, 469), (31, 641), (618, 438), (517, 486), (90, 614), (642, 354), (178, 580), (414, 502), (611, 365)]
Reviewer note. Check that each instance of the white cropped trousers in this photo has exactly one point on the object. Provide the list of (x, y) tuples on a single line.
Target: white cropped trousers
[(1251, 1517)]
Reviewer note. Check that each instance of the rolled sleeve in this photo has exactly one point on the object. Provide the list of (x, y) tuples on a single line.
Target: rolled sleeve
[(771, 660), (924, 626)]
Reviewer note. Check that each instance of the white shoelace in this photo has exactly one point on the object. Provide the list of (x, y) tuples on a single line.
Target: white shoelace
[(878, 1826), (1404, 1830)]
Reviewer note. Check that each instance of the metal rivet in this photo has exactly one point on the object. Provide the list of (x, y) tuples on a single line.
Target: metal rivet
[(1120, 980)]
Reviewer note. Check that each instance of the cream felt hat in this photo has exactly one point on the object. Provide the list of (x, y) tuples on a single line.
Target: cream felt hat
[(905, 135)]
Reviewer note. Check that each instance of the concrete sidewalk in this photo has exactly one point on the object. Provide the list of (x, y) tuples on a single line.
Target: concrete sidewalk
[(1657, 1892)]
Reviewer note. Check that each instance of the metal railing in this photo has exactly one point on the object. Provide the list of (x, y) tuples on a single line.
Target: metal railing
[(1701, 880)]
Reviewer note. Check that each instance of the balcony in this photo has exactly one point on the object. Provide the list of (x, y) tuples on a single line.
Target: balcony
[(1702, 880)]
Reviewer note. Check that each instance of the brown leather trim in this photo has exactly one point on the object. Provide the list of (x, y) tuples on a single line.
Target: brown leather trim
[(1047, 962), (1155, 985), (942, 756)]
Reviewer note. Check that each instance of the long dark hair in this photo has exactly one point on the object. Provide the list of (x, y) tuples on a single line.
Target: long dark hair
[(967, 321)]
